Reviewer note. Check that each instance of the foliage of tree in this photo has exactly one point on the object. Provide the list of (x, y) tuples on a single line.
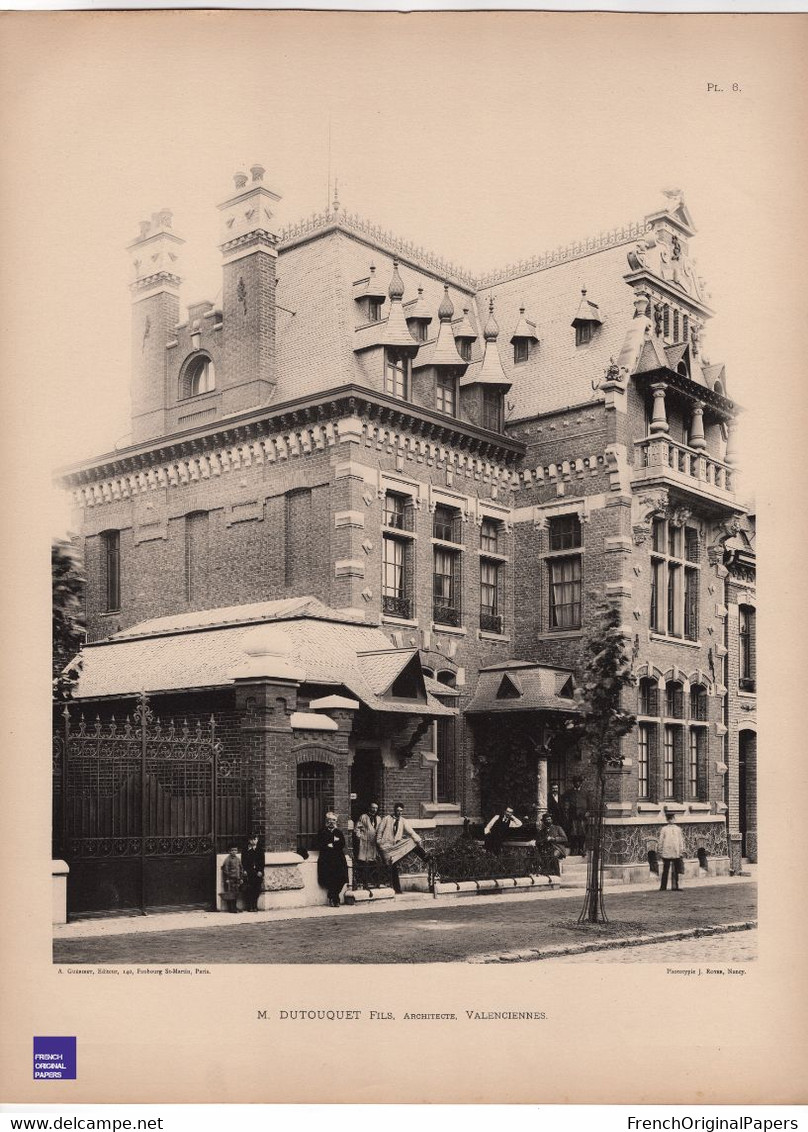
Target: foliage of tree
[(68, 627), (599, 727)]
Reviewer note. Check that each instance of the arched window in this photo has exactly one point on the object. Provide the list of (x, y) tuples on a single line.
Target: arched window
[(649, 696), (698, 702), (199, 377), (315, 797), (674, 700)]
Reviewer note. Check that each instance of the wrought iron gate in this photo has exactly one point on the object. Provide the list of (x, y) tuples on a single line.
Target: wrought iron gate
[(144, 805)]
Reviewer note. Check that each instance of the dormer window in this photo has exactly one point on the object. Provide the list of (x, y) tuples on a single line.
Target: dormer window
[(587, 320), (523, 335), (374, 310), (464, 348), (396, 373), (199, 377)]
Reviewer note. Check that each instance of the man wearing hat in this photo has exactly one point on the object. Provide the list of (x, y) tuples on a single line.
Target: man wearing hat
[(671, 848), (497, 829)]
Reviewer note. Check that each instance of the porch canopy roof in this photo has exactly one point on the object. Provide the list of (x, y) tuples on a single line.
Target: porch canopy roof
[(210, 648), (519, 685)]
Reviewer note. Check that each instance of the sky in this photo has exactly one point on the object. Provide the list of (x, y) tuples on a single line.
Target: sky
[(484, 137)]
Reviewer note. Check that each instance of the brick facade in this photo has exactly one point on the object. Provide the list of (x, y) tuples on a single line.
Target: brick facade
[(274, 484)]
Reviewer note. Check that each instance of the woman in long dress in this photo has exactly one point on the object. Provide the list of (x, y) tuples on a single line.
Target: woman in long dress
[(332, 867)]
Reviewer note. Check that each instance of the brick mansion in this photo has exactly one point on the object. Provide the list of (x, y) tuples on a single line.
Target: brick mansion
[(353, 547)]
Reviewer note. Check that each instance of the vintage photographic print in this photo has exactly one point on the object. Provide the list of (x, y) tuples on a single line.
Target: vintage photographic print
[(404, 408)]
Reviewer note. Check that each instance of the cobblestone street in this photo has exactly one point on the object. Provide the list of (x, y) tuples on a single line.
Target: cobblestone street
[(733, 948), (433, 931)]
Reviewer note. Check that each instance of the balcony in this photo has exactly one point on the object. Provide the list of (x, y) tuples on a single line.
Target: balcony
[(659, 460), (490, 622), (445, 614), (397, 607)]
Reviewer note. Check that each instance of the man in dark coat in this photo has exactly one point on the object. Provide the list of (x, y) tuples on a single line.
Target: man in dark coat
[(575, 806), (332, 868), (252, 860), (554, 807)]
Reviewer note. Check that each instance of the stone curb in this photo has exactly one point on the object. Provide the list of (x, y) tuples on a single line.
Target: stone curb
[(534, 953)]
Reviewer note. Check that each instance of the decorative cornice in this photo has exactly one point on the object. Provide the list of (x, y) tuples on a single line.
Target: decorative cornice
[(406, 250), (297, 428), (260, 237), (160, 279)]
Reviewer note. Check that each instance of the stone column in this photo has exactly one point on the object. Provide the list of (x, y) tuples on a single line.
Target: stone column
[(541, 786), (697, 438), (731, 455), (659, 418)]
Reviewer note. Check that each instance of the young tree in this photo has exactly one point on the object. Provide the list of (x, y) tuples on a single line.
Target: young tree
[(67, 574), (599, 727)]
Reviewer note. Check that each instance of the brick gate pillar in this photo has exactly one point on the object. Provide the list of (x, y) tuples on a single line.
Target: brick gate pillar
[(267, 684)]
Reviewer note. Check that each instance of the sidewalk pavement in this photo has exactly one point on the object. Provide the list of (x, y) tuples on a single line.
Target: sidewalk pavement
[(406, 902)]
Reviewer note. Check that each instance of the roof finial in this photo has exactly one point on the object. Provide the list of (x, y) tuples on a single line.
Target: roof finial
[(446, 308), (491, 332), (396, 289), (336, 195)]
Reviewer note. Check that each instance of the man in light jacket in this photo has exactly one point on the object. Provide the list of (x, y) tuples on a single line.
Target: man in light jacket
[(670, 847), (395, 839), (367, 832)]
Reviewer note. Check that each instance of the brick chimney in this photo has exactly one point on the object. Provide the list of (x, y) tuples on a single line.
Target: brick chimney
[(155, 314), (248, 293)]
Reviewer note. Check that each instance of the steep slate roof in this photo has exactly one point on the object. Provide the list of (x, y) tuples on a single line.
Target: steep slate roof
[(540, 689), (206, 648), (315, 346)]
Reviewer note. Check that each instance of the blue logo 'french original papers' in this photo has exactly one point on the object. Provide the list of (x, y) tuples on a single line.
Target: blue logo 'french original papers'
[(54, 1059)]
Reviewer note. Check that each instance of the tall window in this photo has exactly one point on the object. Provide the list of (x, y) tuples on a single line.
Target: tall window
[(644, 761), (675, 580), (196, 555), (395, 601), (676, 326), (446, 392), (669, 763), (695, 760), (446, 587), (200, 377), (447, 760), (374, 310), (746, 648), (396, 373), (564, 573), (111, 570), (491, 578), (464, 348), (521, 350), (666, 321), (492, 410)]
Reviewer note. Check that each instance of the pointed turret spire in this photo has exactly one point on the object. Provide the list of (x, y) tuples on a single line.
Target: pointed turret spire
[(491, 371), (443, 352)]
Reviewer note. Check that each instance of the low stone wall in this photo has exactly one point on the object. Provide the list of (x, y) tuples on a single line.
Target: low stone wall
[(628, 842)]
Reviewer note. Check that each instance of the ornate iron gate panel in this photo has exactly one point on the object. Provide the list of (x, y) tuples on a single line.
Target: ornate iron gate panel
[(139, 804)]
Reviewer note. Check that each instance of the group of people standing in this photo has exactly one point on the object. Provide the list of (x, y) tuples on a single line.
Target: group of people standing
[(387, 839), (243, 875), (561, 829)]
